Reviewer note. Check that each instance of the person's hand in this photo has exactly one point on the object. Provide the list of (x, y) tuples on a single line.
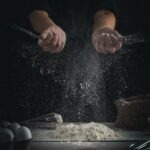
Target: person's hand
[(53, 39), (107, 40)]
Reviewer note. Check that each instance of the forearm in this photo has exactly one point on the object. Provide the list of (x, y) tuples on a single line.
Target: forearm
[(104, 18), (40, 21)]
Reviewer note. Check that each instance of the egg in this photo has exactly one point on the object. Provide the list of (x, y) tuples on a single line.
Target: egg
[(14, 126), (4, 124), (6, 135), (22, 134)]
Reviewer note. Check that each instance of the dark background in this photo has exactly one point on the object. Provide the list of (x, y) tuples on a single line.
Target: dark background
[(78, 83)]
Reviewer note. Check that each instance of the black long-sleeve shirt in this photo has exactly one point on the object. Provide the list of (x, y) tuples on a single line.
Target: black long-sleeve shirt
[(132, 15), (73, 16), (17, 10), (56, 6)]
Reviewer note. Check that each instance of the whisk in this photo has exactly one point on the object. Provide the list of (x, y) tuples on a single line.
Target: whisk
[(130, 39), (23, 30)]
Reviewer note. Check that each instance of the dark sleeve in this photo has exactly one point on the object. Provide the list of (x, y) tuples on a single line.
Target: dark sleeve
[(38, 5), (106, 5)]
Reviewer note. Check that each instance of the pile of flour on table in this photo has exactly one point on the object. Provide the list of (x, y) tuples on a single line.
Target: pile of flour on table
[(83, 132)]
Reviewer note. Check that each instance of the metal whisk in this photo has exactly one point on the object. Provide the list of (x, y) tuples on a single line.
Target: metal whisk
[(130, 39), (23, 30)]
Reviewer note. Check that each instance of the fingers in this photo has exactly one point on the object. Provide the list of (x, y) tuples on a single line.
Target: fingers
[(105, 44), (55, 44), (113, 44), (116, 43), (58, 43), (99, 43), (63, 41), (45, 39), (107, 41), (52, 40), (110, 44)]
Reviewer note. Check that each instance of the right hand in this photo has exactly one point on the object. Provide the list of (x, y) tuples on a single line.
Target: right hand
[(52, 39), (106, 40)]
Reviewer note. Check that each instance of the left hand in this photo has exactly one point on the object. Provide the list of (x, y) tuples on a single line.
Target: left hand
[(52, 39), (106, 40)]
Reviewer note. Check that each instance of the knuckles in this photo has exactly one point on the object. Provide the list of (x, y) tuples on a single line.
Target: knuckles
[(102, 36), (54, 41)]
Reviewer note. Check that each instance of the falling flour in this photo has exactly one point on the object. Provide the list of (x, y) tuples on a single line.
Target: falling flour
[(81, 132), (78, 81)]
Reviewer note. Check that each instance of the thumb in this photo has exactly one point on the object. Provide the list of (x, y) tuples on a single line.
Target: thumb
[(43, 36), (40, 41)]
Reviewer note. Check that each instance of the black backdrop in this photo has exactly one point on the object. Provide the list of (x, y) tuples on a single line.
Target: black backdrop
[(81, 85)]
